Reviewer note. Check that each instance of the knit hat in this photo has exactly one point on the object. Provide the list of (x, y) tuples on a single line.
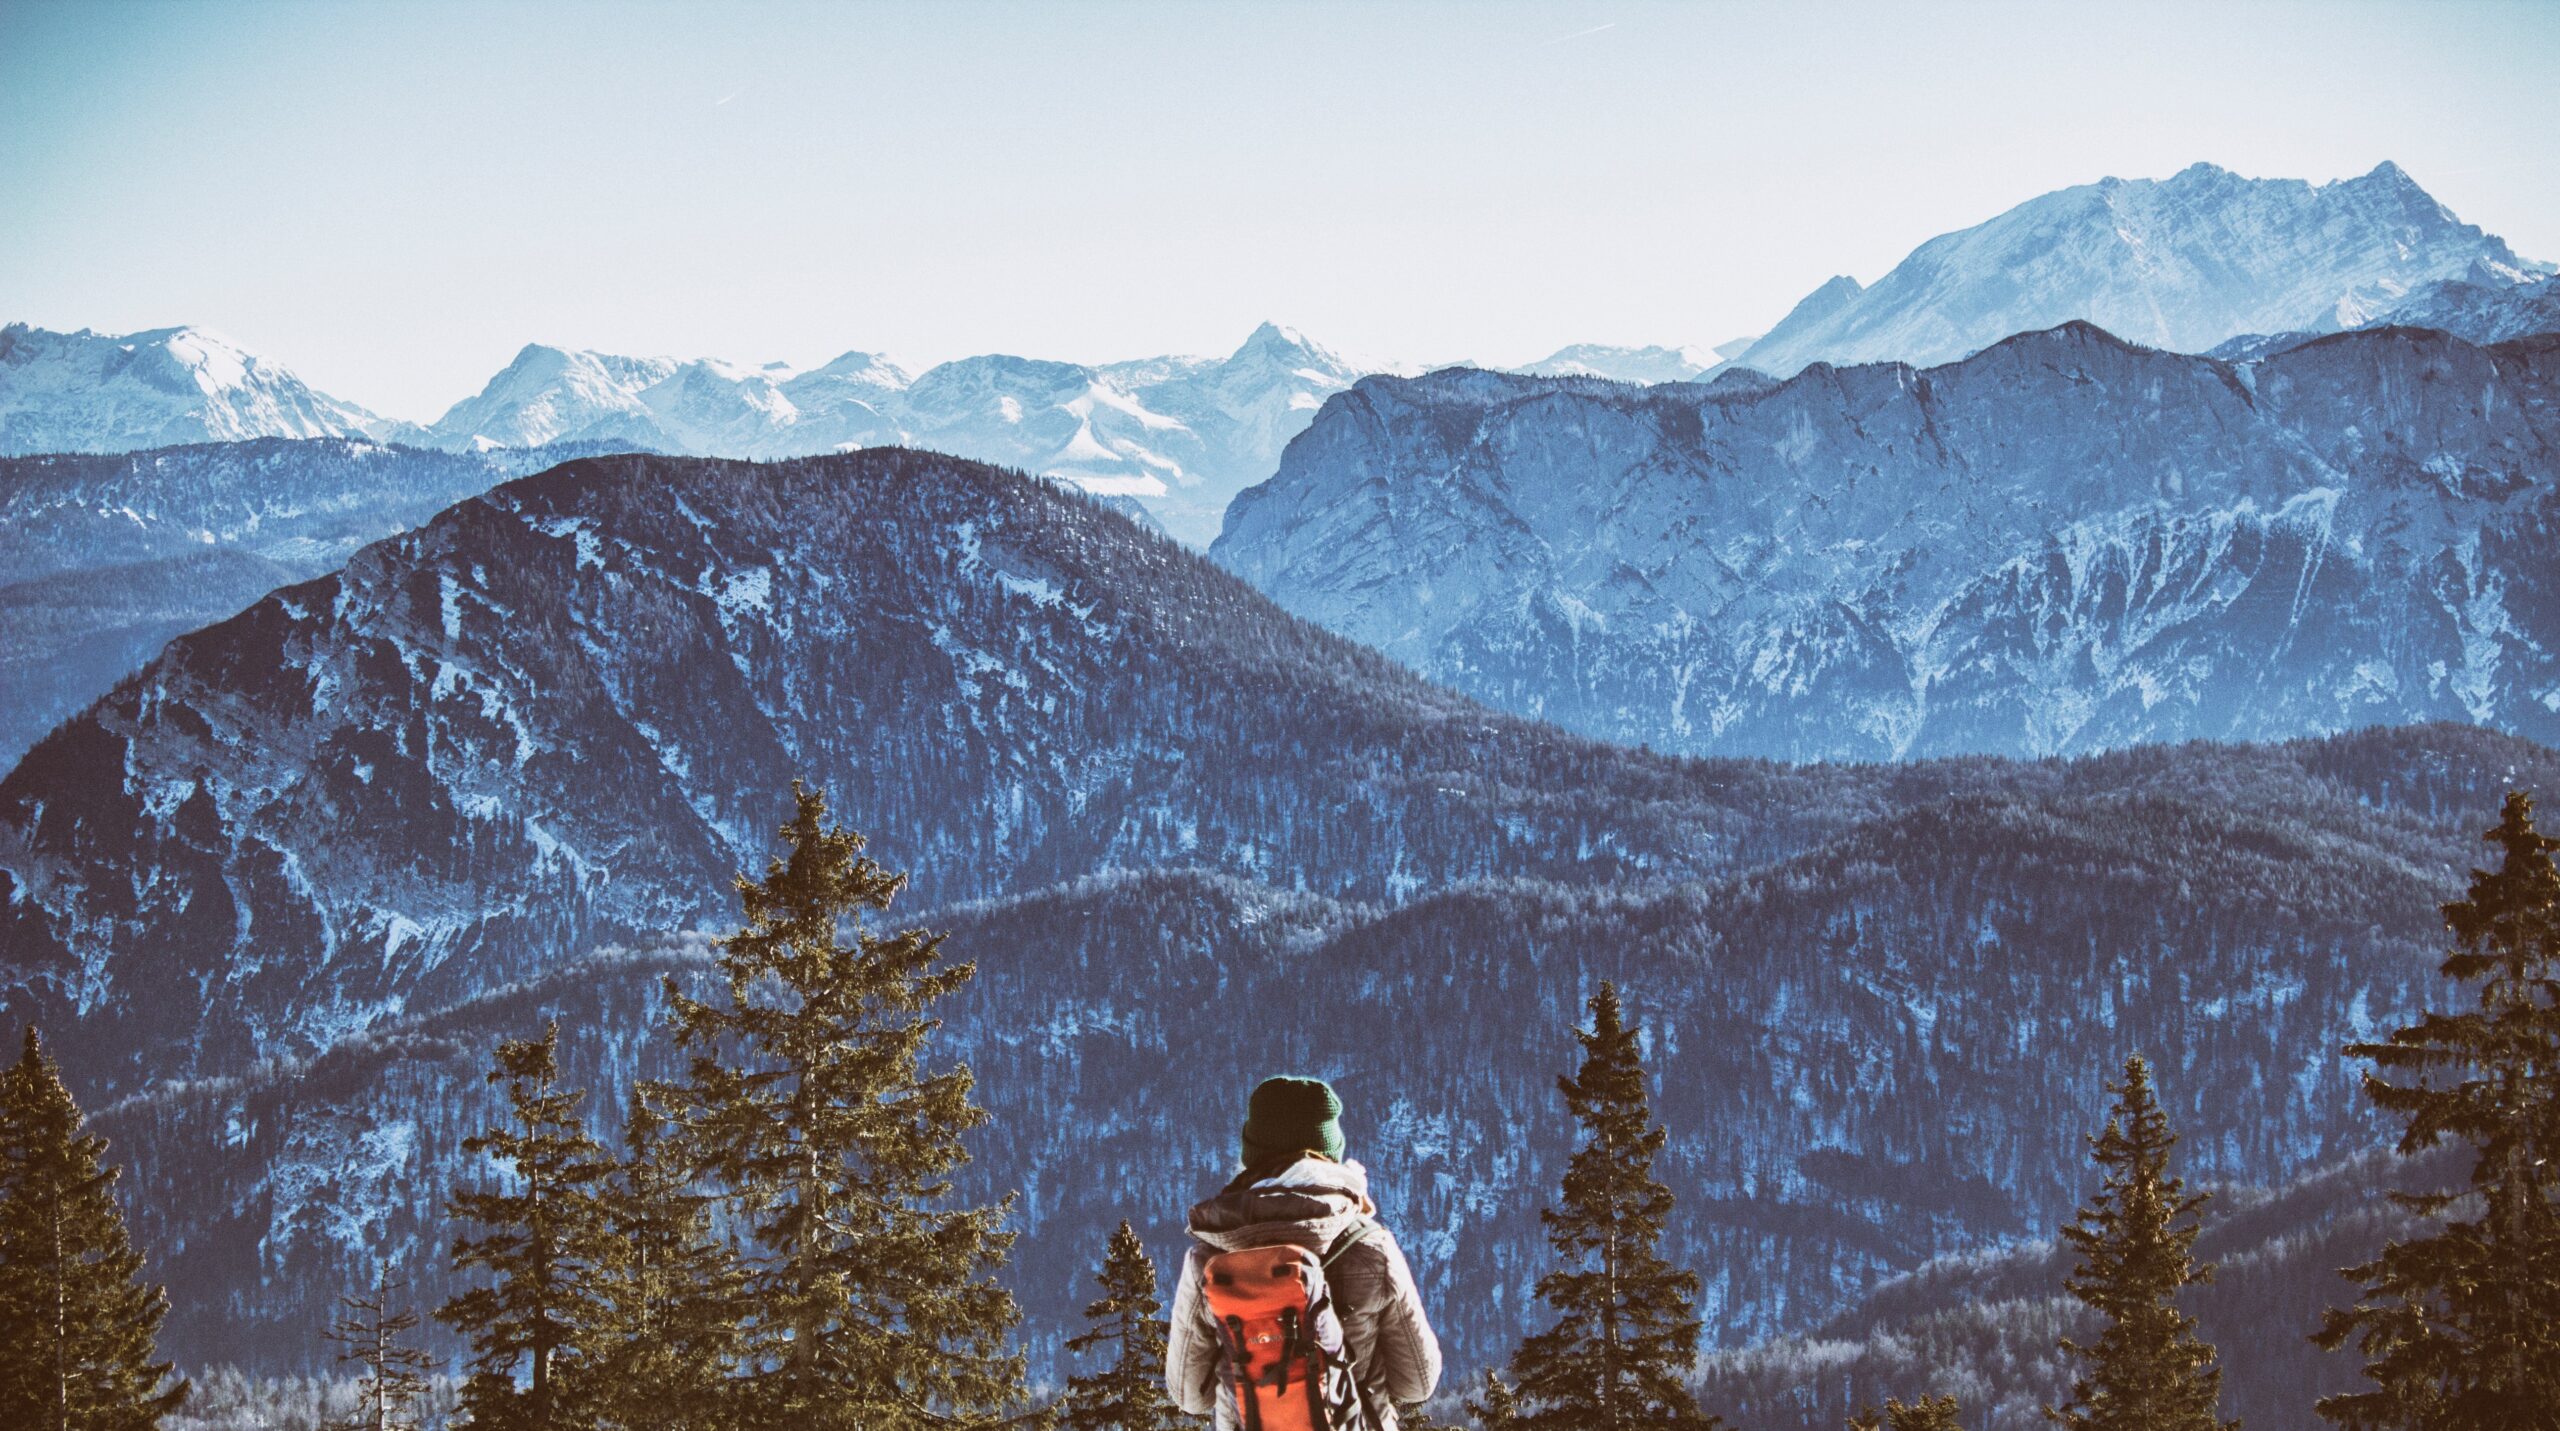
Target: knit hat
[(1288, 1115)]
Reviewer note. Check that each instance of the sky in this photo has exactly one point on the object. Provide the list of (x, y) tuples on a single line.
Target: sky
[(392, 199)]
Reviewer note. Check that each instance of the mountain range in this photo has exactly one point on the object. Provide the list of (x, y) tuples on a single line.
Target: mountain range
[(2064, 543), (1180, 436), (277, 894), (2185, 263)]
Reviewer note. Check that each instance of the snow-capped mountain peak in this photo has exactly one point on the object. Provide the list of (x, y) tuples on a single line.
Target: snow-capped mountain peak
[(2182, 263), (876, 370), (109, 392)]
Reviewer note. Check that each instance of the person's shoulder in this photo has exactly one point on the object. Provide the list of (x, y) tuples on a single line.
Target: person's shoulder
[(1374, 1242)]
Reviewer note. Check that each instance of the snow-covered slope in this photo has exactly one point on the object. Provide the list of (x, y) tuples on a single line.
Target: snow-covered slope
[(2061, 544), (1244, 409), (1180, 436), (1625, 365), (115, 392), (2483, 311), (104, 557), (2181, 263)]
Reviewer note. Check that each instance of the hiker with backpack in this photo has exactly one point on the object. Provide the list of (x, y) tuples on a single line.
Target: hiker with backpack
[(1295, 1310)]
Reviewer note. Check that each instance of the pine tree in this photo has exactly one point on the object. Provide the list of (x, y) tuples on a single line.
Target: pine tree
[(1929, 1413), (663, 1295), (2148, 1371), (1627, 1326), (372, 1333), (1128, 1394), (1495, 1407), (2460, 1328), (78, 1325), (875, 1303), (540, 1244)]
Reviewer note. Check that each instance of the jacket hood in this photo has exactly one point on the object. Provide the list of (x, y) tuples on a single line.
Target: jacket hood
[(1311, 1202)]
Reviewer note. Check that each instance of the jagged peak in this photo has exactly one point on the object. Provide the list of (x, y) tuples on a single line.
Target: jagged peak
[(1279, 342), (857, 363)]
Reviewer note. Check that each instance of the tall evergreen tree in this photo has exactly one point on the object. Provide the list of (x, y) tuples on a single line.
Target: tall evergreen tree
[(875, 1300), (539, 1245), (1127, 1320), (1627, 1324), (664, 1291), (78, 1325), (2147, 1371), (2460, 1328), (373, 1333)]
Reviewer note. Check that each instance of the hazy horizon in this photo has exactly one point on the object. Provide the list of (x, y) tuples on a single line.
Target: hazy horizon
[(392, 200)]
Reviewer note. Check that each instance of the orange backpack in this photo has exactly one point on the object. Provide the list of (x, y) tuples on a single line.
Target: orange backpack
[(1284, 1357)]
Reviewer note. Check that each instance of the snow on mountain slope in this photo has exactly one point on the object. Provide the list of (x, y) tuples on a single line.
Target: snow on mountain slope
[(552, 394), (2064, 543), (115, 392), (2181, 263), (1624, 365), (1244, 408), (2483, 312), (1181, 436), (105, 557)]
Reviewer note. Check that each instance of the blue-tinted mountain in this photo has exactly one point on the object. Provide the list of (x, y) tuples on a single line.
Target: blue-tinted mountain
[(2064, 543)]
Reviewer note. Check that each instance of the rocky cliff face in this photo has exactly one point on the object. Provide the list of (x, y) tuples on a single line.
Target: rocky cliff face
[(2064, 543)]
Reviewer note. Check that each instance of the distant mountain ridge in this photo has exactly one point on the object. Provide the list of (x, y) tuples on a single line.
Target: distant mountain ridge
[(2182, 263), (1629, 365), (2061, 544)]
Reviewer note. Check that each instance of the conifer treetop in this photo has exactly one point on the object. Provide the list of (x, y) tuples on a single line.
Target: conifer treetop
[(809, 1102), (1626, 1333), (2148, 1370)]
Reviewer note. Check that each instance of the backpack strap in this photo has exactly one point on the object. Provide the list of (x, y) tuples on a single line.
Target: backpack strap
[(1351, 1237)]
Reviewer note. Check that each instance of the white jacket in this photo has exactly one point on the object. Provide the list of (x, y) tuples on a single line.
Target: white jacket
[(1394, 1356)]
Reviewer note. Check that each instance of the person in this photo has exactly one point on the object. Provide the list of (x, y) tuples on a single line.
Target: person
[(1298, 1187)]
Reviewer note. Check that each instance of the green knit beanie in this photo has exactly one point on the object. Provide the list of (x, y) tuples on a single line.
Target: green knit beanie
[(1290, 1115)]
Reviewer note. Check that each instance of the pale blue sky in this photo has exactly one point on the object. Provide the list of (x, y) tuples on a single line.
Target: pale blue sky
[(391, 199)]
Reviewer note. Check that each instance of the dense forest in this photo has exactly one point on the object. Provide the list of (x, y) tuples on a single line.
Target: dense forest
[(700, 1262)]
